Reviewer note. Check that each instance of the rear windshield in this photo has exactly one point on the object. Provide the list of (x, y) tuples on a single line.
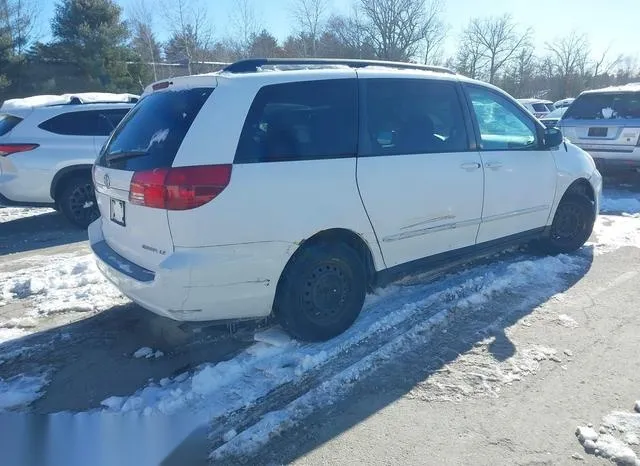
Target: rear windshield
[(7, 123), (605, 106), (540, 108), (151, 134)]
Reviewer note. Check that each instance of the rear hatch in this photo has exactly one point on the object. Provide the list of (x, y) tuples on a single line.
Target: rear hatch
[(606, 124), (133, 167)]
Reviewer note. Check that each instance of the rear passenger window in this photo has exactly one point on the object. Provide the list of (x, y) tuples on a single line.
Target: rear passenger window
[(85, 123), (605, 106), (412, 116), (7, 123), (301, 121)]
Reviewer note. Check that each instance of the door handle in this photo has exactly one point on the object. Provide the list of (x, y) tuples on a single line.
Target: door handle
[(493, 165), (470, 166)]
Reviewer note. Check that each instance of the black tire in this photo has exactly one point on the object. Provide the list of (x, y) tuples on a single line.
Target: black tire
[(77, 201), (321, 292), (572, 225)]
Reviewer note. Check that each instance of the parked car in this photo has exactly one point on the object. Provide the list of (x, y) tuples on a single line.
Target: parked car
[(48, 145), (553, 119), (606, 123), (563, 103), (538, 107), (267, 188)]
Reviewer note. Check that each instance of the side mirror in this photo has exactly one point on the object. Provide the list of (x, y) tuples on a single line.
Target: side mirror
[(552, 137)]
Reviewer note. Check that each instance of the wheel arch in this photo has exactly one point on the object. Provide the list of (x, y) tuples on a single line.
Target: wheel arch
[(582, 187), (337, 235), (66, 173)]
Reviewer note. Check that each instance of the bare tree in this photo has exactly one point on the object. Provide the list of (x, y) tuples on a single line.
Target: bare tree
[(569, 56), (244, 20), (469, 59), (604, 63), (399, 28), (191, 31), (142, 22), (351, 32), (569, 53), (435, 33), (499, 40), (309, 16)]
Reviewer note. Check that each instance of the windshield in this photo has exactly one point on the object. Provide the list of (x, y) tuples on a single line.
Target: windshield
[(151, 134), (605, 106)]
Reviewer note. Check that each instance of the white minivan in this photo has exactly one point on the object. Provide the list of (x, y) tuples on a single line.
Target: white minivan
[(293, 187)]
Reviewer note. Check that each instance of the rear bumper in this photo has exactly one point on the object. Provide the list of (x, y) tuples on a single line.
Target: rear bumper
[(198, 284), (614, 160), (609, 165), (24, 186)]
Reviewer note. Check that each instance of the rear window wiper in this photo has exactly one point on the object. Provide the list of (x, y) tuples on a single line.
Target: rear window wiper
[(124, 155)]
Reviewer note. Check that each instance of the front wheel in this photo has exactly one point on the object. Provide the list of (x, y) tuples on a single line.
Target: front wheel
[(77, 201), (321, 292), (572, 225)]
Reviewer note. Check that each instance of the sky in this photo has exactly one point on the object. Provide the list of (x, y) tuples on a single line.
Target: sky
[(614, 25)]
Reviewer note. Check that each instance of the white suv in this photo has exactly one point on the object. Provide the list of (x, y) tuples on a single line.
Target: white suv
[(48, 145), (293, 187)]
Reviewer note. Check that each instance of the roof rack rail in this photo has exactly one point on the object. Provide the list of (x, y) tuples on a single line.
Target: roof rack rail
[(252, 65)]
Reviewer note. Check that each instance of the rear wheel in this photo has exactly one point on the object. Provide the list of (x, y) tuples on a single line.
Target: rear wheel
[(77, 201), (572, 225), (321, 292)]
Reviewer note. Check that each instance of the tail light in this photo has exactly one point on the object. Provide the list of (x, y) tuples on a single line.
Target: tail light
[(8, 149), (180, 188)]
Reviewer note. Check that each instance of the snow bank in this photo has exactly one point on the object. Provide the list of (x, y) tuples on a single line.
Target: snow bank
[(620, 201), (65, 283), (20, 390), (613, 232), (9, 214), (607, 442)]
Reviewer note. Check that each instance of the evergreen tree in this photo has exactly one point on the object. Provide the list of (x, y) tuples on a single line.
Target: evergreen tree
[(92, 34)]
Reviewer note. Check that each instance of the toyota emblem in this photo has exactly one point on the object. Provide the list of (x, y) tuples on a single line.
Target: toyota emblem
[(107, 181)]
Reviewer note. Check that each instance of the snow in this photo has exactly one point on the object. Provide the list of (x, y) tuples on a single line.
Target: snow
[(54, 284), (47, 100), (9, 214), (586, 433), (619, 201), (566, 321), (274, 336), (147, 353), (21, 390), (607, 443), (630, 87), (229, 435), (613, 232)]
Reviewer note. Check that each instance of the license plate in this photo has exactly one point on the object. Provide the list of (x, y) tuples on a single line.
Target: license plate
[(598, 132), (117, 212)]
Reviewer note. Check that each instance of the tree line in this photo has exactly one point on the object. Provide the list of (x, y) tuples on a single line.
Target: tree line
[(95, 45)]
